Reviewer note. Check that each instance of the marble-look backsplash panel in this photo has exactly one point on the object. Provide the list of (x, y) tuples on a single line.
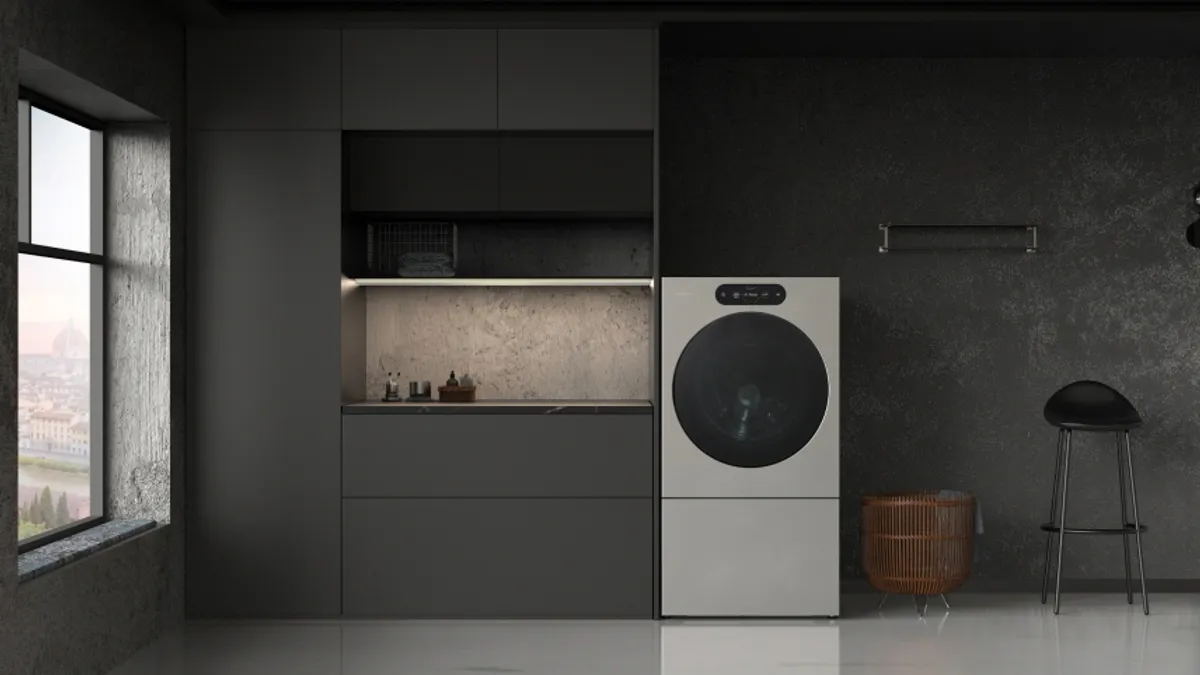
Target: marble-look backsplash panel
[(517, 343)]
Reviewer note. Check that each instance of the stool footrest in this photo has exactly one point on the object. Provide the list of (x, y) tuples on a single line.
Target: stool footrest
[(1128, 529)]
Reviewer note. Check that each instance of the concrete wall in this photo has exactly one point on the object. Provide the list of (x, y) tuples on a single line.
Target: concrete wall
[(90, 615), (139, 312), (549, 343), (786, 166)]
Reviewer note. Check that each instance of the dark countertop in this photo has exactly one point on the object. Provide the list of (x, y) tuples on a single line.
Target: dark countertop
[(503, 407)]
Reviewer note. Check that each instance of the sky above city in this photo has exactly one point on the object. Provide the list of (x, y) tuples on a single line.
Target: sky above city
[(53, 292)]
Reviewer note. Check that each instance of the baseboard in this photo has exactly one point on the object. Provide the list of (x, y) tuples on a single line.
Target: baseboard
[(855, 586)]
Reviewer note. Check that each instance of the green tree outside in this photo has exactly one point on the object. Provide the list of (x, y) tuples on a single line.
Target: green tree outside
[(62, 514), (33, 512), (26, 529), (46, 507), (43, 513)]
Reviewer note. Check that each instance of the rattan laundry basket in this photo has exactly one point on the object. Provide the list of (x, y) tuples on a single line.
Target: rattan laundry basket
[(918, 543)]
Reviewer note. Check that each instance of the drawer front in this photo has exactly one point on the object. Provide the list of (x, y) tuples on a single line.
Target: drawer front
[(750, 557), (498, 558), (421, 174), (584, 175), (497, 456)]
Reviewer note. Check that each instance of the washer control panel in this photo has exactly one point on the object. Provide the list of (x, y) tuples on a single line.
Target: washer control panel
[(751, 294)]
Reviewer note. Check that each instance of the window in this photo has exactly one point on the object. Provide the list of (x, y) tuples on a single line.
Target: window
[(60, 323)]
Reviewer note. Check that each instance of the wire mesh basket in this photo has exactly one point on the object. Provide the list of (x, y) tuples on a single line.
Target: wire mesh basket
[(412, 249), (918, 543)]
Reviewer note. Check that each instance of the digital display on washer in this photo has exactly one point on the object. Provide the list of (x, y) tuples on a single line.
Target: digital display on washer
[(751, 294)]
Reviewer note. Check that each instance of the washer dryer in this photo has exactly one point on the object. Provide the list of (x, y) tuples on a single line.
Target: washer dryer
[(750, 451)]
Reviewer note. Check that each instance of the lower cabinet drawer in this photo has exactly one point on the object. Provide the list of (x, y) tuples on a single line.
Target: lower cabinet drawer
[(497, 456), (498, 558)]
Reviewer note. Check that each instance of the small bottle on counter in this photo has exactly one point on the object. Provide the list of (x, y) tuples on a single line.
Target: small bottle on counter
[(391, 391), (466, 381), (453, 381)]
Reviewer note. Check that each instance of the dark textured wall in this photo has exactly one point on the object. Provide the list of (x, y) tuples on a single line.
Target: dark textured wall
[(89, 615), (785, 167)]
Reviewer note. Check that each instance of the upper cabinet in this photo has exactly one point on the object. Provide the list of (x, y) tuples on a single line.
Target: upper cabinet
[(418, 173), (576, 79), (419, 79), (264, 79), (601, 174)]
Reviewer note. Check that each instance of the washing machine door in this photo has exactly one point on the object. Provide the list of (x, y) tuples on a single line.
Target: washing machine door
[(750, 389)]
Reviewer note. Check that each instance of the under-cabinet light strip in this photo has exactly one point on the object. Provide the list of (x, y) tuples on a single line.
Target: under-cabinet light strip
[(456, 281)]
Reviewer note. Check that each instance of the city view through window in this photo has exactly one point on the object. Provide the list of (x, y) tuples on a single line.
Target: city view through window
[(55, 320)]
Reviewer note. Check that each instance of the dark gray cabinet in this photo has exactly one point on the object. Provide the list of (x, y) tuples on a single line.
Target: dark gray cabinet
[(612, 174), (422, 173), (264, 500), (419, 79), (497, 456), (577, 79), (264, 79), (443, 173), (527, 558)]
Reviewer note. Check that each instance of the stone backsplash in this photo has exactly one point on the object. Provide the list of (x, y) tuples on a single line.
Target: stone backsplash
[(517, 343)]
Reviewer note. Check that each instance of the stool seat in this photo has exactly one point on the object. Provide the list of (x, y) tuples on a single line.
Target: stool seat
[(1088, 405)]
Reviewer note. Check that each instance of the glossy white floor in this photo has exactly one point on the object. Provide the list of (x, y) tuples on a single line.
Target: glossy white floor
[(981, 635)]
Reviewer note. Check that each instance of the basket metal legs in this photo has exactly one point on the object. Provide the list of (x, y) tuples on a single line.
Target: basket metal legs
[(1123, 521), (920, 601), (1062, 477), (1137, 524), (1058, 457), (1062, 518)]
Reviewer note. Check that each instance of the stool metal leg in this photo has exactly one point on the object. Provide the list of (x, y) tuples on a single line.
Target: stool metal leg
[(1062, 518), (1137, 523), (1053, 507), (1124, 520)]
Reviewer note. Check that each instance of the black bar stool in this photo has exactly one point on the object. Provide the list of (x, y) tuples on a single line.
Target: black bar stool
[(1092, 406)]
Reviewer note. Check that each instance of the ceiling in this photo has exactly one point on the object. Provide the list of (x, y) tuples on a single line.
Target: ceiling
[(787, 27), (723, 6), (1078, 36)]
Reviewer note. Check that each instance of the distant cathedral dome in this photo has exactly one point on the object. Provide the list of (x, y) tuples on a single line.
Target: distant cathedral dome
[(70, 343)]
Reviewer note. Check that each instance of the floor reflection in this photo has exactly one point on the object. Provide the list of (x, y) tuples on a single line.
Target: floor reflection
[(750, 648), (981, 635)]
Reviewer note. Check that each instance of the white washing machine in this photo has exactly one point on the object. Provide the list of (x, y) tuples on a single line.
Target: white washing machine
[(750, 425)]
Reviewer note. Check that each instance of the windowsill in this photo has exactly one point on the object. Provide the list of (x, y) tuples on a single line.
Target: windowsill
[(44, 559)]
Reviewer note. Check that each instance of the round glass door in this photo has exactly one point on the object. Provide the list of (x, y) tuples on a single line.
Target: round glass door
[(750, 389)]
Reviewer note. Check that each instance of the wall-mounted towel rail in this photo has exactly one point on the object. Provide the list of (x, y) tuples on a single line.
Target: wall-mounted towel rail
[(1030, 245)]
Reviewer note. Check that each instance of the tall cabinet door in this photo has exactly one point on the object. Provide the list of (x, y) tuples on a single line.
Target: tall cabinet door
[(419, 79), (264, 79), (576, 79), (263, 492)]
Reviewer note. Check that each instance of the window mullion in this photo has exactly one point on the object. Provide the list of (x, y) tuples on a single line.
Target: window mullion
[(96, 197), (98, 343), (24, 162)]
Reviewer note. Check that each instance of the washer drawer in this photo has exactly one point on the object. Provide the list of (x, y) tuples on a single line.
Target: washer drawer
[(497, 455), (750, 557)]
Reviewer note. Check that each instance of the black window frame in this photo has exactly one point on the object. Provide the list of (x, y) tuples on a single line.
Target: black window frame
[(29, 100)]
